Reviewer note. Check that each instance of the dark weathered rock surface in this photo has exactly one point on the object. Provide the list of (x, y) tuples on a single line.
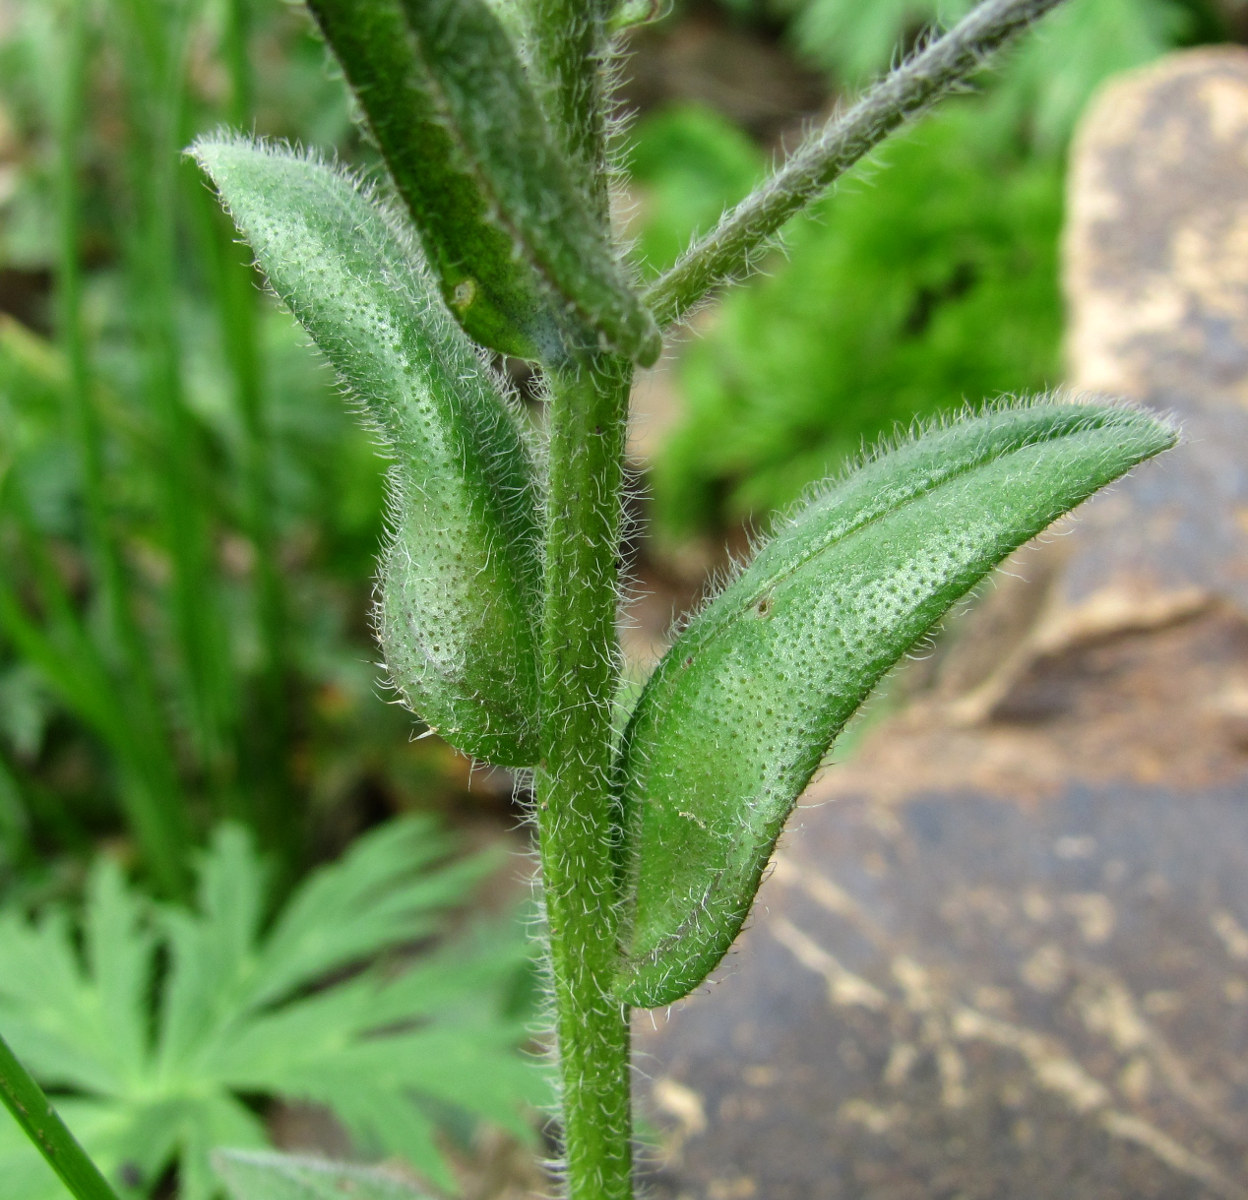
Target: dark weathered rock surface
[(1005, 953)]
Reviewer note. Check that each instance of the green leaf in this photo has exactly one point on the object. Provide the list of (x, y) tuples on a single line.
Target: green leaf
[(524, 263), (741, 710), (261, 1176), (460, 579), (240, 1008)]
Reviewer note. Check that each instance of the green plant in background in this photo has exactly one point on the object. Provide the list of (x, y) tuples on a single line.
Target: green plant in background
[(900, 299), (288, 1177), (501, 578), (162, 1031), (897, 301), (1051, 76), (686, 165), (187, 516)]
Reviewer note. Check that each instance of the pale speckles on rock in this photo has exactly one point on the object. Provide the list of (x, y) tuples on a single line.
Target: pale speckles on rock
[(978, 1008), (1157, 248), (1156, 269)]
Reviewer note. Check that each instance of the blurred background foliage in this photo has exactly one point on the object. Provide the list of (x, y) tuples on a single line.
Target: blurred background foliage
[(929, 280), (188, 516), (190, 707)]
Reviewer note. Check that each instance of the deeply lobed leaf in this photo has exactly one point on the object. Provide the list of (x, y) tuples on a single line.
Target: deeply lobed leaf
[(460, 578), (743, 707), (241, 1009)]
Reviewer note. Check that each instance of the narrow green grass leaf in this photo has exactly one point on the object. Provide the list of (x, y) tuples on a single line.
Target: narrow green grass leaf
[(523, 261), (740, 712), (41, 1123), (460, 579)]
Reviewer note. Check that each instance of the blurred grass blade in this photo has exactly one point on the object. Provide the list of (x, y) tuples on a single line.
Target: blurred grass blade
[(741, 710), (30, 1108), (253, 1175), (152, 795), (524, 263), (460, 579), (156, 42), (75, 666)]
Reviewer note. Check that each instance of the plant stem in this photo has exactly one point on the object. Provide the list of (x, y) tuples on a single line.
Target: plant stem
[(577, 820), (32, 1110), (569, 38), (730, 250)]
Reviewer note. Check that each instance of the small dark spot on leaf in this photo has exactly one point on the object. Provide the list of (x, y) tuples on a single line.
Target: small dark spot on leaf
[(129, 1175)]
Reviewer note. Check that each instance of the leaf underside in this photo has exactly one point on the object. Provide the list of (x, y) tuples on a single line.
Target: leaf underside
[(524, 263)]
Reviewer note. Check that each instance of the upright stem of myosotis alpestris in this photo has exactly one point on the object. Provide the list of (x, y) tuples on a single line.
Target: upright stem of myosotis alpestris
[(24, 1098), (577, 822), (576, 819), (568, 38)]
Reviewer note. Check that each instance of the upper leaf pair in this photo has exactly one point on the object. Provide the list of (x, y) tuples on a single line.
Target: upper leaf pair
[(524, 262)]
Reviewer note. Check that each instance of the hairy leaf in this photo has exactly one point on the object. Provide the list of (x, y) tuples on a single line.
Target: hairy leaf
[(741, 710), (460, 579), (523, 261)]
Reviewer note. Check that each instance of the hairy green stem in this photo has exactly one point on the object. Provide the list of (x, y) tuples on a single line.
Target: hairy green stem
[(577, 820), (570, 39), (730, 249), (31, 1109)]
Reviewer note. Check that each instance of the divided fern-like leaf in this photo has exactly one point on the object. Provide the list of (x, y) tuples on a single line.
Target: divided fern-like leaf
[(260, 1176), (242, 1010)]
